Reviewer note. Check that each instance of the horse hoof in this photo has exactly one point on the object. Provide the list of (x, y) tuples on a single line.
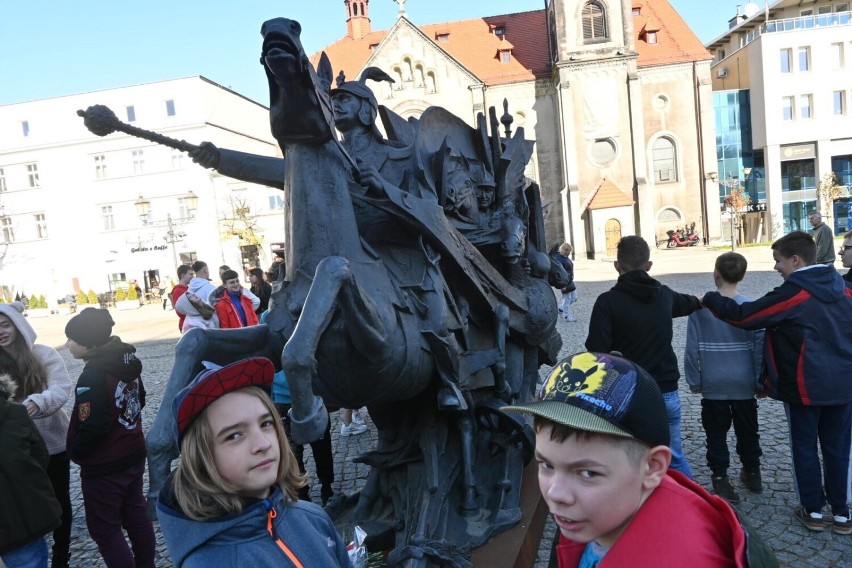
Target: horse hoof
[(309, 428)]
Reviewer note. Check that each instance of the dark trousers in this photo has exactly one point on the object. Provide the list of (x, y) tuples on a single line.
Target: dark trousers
[(716, 417), (113, 502), (321, 448), (832, 427), (59, 472)]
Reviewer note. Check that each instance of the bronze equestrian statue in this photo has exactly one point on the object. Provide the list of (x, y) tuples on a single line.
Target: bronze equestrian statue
[(414, 285)]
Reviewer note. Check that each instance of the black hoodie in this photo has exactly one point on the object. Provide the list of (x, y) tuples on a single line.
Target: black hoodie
[(635, 319), (105, 435)]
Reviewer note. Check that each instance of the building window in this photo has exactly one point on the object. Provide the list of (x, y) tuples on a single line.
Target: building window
[(183, 208), (443, 38), (499, 31), (664, 160), (276, 200), (170, 107), (505, 56), (108, 219), (100, 166), (25, 127), (841, 7), (786, 60), (32, 175), (837, 55), (41, 225), (787, 108), (797, 175), (805, 106), (720, 55), (8, 231), (839, 103), (131, 114), (594, 21), (2, 181), (138, 162), (651, 37), (804, 59), (177, 160)]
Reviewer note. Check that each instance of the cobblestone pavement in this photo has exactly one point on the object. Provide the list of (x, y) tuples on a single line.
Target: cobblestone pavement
[(154, 332)]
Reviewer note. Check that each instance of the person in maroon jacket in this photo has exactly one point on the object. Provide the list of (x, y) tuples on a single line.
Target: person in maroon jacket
[(105, 439), (602, 438)]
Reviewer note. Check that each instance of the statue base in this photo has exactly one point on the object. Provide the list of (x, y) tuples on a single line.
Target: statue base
[(518, 546)]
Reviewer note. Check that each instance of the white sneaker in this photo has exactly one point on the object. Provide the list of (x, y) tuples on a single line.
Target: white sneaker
[(352, 429), (358, 418)]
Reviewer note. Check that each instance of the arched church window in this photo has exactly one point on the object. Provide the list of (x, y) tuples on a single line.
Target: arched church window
[(594, 21), (665, 160)]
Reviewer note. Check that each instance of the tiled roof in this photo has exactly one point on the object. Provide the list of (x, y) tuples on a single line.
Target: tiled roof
[(473, 44), (676, 42), (608, 195)]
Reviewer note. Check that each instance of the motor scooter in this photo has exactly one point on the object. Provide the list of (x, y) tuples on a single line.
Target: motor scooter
[(682, 238)]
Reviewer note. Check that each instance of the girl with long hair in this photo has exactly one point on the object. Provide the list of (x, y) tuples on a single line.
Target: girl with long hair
[(43, 387), (233, 500)]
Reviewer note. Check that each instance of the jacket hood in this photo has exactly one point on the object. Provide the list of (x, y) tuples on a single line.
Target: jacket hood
[(116, 358), (638, 284), (185, 535), (823, 283), (15, 312)]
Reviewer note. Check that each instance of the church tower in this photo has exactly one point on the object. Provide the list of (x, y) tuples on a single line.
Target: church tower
[(357, 18)]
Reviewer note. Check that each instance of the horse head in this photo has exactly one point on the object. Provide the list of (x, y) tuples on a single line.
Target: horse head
[(299, 104)]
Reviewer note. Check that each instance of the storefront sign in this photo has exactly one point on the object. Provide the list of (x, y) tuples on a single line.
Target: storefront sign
[(750, 208), (148, 249), (798, 152)]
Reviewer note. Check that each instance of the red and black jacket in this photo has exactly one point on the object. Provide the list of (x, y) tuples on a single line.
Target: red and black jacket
[(808, 322)]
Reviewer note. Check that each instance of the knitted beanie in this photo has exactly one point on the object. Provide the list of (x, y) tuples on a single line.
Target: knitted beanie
[(15, 312), (90, 328)]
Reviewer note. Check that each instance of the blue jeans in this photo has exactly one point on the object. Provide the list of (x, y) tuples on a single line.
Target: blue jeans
[(672, 400), (32, 555)]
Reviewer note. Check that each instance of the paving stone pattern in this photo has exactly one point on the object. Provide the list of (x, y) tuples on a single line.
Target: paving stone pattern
[(154, 332)]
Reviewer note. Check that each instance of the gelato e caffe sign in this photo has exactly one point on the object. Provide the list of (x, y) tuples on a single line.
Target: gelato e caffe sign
[(148, 249)]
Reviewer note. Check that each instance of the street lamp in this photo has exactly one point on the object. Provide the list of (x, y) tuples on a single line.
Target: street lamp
[(190, 201)]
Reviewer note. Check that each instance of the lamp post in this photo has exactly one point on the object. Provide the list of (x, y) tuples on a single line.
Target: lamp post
[(143, 208)]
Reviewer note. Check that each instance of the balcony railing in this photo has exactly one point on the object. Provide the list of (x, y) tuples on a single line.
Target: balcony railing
[(793, 24)]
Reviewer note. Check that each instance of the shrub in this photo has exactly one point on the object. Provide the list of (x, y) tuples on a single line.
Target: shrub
[(92, 297), (39, 302), (82, 298), (120, 295)]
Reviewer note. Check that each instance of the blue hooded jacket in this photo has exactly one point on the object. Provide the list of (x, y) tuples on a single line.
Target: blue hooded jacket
[(808, 322), (242, 541)]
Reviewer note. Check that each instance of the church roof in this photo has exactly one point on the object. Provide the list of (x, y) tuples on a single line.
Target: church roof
[(475, 46), (676, 42), (470, 42), (608, 195)]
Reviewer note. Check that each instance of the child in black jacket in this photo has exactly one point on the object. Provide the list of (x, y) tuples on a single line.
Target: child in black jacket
[(105, 438)]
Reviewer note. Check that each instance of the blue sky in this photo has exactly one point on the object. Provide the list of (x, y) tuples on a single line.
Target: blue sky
[(51, 48)]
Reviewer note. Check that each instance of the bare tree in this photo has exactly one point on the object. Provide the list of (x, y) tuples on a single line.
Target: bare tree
[(827, 192)]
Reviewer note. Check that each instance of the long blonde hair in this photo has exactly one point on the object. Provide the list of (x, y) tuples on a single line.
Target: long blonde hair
[(202, 492), (19, 361)]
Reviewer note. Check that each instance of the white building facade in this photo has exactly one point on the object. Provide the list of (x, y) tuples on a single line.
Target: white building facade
[(68, 210), (782, 78)]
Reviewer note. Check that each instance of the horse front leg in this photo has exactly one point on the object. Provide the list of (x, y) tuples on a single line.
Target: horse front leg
[(333, 281)]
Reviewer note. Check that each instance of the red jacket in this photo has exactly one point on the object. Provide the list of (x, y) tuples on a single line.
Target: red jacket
[(227, 315), (178, 291), (679, 525)]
